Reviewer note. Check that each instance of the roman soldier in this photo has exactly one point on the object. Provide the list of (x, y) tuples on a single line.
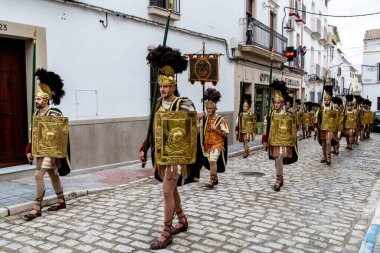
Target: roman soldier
[(299, 119), (282, 139), (327, 124), (215, 134), (170, 62), (49, 90), (357, 110), (308, 118), (350, 121), (368, 115), (337, 101), (246, 125)]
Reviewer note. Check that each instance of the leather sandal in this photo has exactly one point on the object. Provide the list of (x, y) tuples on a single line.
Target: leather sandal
[(279, 182), (246, 153), (157, 244), (213, 181), (38, 213), (176, 230), (58, 205)]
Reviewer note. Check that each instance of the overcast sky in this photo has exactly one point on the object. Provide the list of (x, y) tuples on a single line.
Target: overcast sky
[(351, 30)]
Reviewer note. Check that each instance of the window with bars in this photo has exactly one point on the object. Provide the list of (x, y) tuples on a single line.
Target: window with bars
[(165, 4)]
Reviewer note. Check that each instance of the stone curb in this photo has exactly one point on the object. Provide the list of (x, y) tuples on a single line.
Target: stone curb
[(241, 152), (49, 200), (368, 243)]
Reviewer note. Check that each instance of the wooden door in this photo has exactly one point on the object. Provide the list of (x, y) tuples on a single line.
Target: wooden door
[(13, 108)]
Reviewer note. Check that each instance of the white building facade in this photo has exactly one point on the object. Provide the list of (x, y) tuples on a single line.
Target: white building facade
[(371, 68), (318, 44), (99, 49)]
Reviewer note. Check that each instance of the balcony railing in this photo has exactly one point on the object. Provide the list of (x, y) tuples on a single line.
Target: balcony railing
[(262, 36), (299, 62), (164, 4)]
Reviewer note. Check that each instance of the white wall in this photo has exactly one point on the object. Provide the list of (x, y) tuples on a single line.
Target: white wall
[(112, 61), (370, 84)]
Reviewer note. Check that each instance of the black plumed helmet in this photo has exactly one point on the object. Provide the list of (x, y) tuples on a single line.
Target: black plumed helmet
[(54, 82)]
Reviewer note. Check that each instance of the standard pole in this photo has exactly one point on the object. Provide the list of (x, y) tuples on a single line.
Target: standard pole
[(270, 94), (154, 100)]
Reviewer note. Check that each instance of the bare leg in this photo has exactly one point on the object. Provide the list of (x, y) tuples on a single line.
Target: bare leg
[(182, 221), (278, 161), (328, 151), (168, 188), (323, 160)]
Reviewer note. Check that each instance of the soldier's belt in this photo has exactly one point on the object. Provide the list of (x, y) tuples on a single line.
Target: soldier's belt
[(175, 134), (50, 136)]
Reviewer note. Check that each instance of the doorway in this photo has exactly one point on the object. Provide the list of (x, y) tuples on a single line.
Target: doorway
[(13, 107)]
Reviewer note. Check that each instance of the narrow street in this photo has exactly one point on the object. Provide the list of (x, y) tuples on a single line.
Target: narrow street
[(319, 209)]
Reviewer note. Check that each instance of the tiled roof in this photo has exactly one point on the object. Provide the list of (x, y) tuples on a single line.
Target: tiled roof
[(372, 34)]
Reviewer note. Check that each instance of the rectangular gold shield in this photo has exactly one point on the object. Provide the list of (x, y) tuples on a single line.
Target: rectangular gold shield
[(307, 119), (351, 121), (367, 117), (175, 136), (300, 120), (248, 123), (283, 130), (50, 136), (330, 120)]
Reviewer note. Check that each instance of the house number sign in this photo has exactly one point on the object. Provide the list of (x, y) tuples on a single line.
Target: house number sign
[(3, 27)]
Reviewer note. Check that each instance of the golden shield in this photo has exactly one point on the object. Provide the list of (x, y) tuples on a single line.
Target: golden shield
[(175, 137), (307, 119), (50, 136), (351, 121), (330, 120), (248, 123), (300, 120), (367, 117), (283, 130)]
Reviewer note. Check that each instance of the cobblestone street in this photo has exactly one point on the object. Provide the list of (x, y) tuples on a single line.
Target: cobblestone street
[(320, 208)]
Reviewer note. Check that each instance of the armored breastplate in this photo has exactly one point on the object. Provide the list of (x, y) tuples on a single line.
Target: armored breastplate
[(211, 137)]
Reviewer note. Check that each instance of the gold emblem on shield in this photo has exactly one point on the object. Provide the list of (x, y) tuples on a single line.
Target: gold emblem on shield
[(50, 136), (248, 122), (175, 137), (283, 130)]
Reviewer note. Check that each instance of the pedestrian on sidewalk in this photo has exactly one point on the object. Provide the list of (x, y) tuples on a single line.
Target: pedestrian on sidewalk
[(49, 88), (282, 139), (169, 62), (215, 137), (246, 125)]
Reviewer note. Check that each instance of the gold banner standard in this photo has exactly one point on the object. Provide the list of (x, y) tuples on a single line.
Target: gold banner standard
[(204, 68)]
